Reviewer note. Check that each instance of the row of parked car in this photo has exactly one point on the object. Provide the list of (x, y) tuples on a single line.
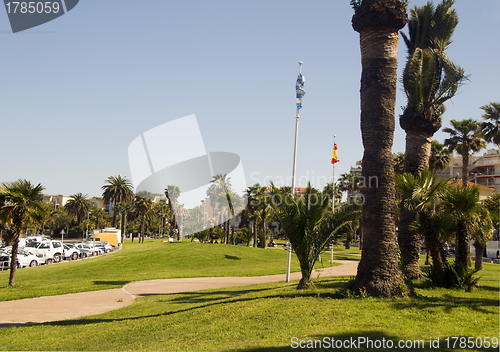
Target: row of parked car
[(42, 250)]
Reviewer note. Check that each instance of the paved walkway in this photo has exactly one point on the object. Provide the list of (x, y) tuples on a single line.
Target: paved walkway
[(75, 305)]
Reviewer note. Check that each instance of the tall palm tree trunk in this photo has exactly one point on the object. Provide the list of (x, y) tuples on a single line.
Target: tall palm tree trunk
[(255, 238), (417, 153), (479, 255), (13, 258), (465, 169), (114, 214), (124, 225), (378, 23), (433, 245), (462, 245)]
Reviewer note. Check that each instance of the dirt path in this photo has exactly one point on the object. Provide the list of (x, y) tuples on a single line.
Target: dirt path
[(75, 305)]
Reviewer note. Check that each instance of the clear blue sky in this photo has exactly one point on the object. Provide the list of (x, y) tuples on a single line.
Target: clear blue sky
[(76, 91)]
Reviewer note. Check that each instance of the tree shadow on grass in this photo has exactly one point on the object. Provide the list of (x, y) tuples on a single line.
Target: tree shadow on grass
[(110, 282), (204, 300), (355, 341), (448, 302), (233, 257), (85, 321)]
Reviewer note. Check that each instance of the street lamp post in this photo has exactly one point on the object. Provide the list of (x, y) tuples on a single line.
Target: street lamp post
[(476, 174)]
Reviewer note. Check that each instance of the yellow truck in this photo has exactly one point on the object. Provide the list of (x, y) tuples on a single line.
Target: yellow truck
[(110, 234)]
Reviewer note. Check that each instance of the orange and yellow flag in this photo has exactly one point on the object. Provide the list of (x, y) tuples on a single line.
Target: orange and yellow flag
[(334, 154)]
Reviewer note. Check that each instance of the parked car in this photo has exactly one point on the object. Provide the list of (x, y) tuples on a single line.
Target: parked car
[(24, 258), (46, 251), (93, 251), (98, 246), (70, 252), (4, 261), (107, 246)]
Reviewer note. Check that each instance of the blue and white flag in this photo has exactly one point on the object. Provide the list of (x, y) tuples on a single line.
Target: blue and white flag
[(299, 88)]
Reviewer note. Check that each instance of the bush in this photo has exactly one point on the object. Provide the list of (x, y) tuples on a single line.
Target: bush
[(457, 277)]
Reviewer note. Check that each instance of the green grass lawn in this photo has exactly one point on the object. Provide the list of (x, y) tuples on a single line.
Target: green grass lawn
[(153, 259), (266, 317)]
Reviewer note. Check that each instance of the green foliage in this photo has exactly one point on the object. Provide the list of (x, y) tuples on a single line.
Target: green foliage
[(244, 236), (490, 127), (308, 224), (418, 191), (457, 277), (78, 205), (465, 137)]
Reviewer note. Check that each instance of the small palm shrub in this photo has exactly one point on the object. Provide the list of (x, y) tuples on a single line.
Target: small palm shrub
[(457, 277)]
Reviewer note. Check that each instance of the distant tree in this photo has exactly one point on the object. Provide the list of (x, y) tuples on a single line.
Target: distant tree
[(117, 189), (463, 204), (223, 190), (465, 138), (244, 236), (78, 205), (439, 158), (480, 229), (399, 163), (253, 203), (172, 193), (492, 203), (142, 206), (124, 208), (99, 217), (490, 126), (20, 207)]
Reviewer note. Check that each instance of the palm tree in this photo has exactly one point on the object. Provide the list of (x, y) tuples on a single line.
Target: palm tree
[(492, 203), (118, 189), (378, 23), (465, 137), (223, 190), (124, 208), (99, 217), (399, 163), (429, 80), (163, 211), (142, 206), (20, 207), (481, 230), (419, 193), (78, 205), (339, 188), (440, 157), (463, 204), (253, 203), (309, 225), (172, 193), (491, 128), (264, 208)]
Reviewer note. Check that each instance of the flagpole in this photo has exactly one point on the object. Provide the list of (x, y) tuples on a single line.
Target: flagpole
[(297, 117), (333, 200), (333, 182)]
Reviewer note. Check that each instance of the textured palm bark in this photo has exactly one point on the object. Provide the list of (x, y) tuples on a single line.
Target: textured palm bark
[(479, 255), (13, 260), (378, 23), (417, 154), (462, 245), (433, 244), (465, 169)]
